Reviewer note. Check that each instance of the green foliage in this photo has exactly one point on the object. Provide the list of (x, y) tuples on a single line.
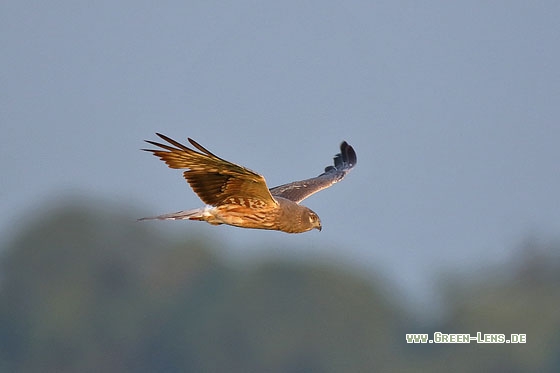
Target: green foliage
[(86, 289)]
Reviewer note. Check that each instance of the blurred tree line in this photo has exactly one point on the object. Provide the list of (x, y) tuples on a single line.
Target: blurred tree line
[(86, 288)]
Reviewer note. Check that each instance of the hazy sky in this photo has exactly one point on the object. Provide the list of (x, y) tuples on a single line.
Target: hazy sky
[(453, 109)]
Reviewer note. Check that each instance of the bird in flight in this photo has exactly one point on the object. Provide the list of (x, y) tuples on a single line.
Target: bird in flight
[(237, 196)]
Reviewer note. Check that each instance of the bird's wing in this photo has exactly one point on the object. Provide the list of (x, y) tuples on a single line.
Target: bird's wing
[(300, 190), (215, 180)]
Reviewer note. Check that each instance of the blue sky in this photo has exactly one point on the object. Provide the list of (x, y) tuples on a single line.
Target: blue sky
[(453, 109)]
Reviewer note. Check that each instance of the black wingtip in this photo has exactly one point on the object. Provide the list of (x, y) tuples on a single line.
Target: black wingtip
[(349, 153), (346, 158), (202, 148), (152, 142)]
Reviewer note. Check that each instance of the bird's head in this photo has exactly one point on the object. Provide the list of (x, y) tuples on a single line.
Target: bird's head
[(311, 219)]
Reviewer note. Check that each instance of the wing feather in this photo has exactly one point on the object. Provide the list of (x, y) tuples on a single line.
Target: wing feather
[(297, 191), (212, 178)]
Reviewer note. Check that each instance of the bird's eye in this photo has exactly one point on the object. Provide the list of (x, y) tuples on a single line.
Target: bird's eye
[(312, 218)]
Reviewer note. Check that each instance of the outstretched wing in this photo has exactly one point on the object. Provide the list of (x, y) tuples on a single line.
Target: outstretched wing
[(300, 190), (215, 180)]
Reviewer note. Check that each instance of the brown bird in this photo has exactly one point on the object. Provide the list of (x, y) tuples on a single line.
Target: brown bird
[(237, 196)]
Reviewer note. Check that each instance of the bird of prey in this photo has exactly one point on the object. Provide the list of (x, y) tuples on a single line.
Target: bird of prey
[(237, 196)]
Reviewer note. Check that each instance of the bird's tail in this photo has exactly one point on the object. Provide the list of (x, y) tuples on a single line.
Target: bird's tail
[(195, 214)]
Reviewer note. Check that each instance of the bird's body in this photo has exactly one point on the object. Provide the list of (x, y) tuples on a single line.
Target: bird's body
[(237, 196)]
